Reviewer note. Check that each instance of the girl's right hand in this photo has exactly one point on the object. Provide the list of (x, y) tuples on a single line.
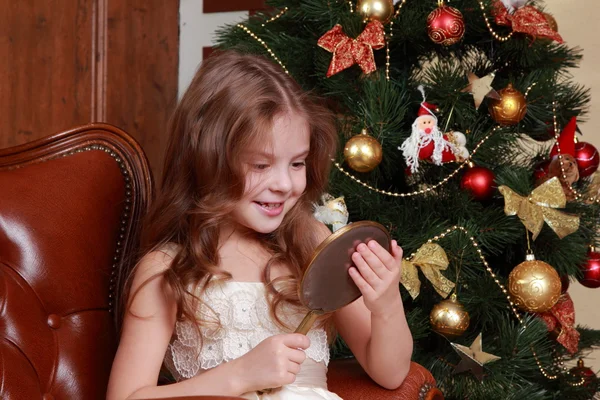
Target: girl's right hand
[(273, 363)]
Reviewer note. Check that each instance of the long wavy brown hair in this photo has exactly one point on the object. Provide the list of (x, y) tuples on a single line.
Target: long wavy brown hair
[(231, 104)]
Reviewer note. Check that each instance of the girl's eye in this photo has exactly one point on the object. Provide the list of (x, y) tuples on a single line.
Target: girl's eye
[(260, 167), (299, 164)]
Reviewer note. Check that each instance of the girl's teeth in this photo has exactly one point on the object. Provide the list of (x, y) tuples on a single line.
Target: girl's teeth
[(270, 205)]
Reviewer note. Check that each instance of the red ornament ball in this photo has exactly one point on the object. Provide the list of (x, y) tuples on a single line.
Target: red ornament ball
[(591, 270), (479, 181), (445, 25), (587, 158)]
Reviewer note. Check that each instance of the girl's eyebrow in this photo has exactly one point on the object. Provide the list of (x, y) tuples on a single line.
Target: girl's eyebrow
[(303, 154), (255, 153)]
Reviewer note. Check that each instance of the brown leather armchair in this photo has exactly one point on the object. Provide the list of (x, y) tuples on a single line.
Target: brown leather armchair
[(70, 209)]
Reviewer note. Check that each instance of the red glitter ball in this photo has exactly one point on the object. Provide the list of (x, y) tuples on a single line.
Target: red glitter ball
[(445, 25)]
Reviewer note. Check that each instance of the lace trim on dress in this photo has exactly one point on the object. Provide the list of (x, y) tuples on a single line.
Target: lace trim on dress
[(243, 322)]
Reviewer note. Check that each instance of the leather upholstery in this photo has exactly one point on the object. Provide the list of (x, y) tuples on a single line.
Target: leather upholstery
[(351, 382), (69, 208)]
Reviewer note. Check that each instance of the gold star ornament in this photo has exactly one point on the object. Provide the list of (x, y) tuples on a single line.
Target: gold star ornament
[(473, 358), (481, 87)]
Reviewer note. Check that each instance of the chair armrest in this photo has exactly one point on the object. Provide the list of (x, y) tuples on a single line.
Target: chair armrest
[(348, 379)]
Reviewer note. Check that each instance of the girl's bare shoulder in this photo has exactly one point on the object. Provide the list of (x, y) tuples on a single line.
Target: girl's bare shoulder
[(158, 260)]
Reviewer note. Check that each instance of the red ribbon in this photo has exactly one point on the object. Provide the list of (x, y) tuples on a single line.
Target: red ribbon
[(347, 51), (527, 20), (562, 316)]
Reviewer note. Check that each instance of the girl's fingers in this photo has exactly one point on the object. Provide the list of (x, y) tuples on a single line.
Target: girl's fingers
[(360, 282), (385, 259), (374, 262), (365, 269), (293, 367), (397, 251)]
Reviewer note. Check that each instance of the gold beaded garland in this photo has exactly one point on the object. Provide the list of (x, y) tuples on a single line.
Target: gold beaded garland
[(421, 191), (489, 26), (262, 42)]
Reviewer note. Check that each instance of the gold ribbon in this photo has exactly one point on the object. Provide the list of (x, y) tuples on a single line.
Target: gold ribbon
[(432, 259), (540, 206)]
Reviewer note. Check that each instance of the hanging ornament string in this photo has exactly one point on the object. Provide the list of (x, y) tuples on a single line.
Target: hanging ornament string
[(259, 40), (422, 191), (489, 26), (387, 43), (474, 243), (285, 9)]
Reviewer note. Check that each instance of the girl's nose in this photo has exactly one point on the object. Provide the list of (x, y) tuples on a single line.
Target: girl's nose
[(282, 181)]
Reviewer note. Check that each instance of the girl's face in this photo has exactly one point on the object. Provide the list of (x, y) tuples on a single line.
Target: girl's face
[(276, 175)]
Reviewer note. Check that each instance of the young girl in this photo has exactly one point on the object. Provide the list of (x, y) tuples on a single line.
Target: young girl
[(214, 298)]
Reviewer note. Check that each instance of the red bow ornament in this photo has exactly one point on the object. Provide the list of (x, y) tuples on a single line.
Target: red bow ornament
[(347, 51), (527, 20), (561, 319)]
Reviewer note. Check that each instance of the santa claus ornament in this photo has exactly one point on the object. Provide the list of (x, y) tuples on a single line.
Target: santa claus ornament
[(428, 143)]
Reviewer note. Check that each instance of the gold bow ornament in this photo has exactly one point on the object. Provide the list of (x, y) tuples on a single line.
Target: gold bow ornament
[(541, 206), (432, 259)]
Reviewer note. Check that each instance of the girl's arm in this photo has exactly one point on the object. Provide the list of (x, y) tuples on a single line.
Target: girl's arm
[(382, 344), (374, 326), (144, 340)]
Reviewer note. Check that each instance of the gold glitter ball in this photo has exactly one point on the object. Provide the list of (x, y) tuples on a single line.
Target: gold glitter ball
[(376, 10), (449, 318), (534, 286), (510, 109), (363, 152)]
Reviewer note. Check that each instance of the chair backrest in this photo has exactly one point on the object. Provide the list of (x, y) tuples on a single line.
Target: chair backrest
[(70, 208)]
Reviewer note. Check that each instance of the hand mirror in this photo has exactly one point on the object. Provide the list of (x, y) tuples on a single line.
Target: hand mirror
[(326, 285)]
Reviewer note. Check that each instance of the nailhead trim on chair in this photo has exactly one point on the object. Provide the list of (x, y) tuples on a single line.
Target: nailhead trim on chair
[(424, 390), (124, 170)]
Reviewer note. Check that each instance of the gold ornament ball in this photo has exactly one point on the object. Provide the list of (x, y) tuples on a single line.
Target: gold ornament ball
[(363, 152), (534, 286), (449, 318), (376, 10), (511, 108)]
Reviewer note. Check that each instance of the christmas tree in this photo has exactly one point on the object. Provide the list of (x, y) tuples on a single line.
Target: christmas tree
[(458, 125)]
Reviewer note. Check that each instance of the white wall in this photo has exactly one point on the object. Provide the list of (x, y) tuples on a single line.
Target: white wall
[(575, 20), (196, 31)]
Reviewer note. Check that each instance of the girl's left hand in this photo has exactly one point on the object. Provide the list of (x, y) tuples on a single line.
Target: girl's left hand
[(377, 275)]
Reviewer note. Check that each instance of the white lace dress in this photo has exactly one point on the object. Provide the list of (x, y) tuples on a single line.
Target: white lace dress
[(245, 321)]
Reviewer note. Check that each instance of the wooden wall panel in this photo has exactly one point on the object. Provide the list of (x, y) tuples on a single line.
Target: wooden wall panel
[(70, 62), (45, 57), (142, 60)]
